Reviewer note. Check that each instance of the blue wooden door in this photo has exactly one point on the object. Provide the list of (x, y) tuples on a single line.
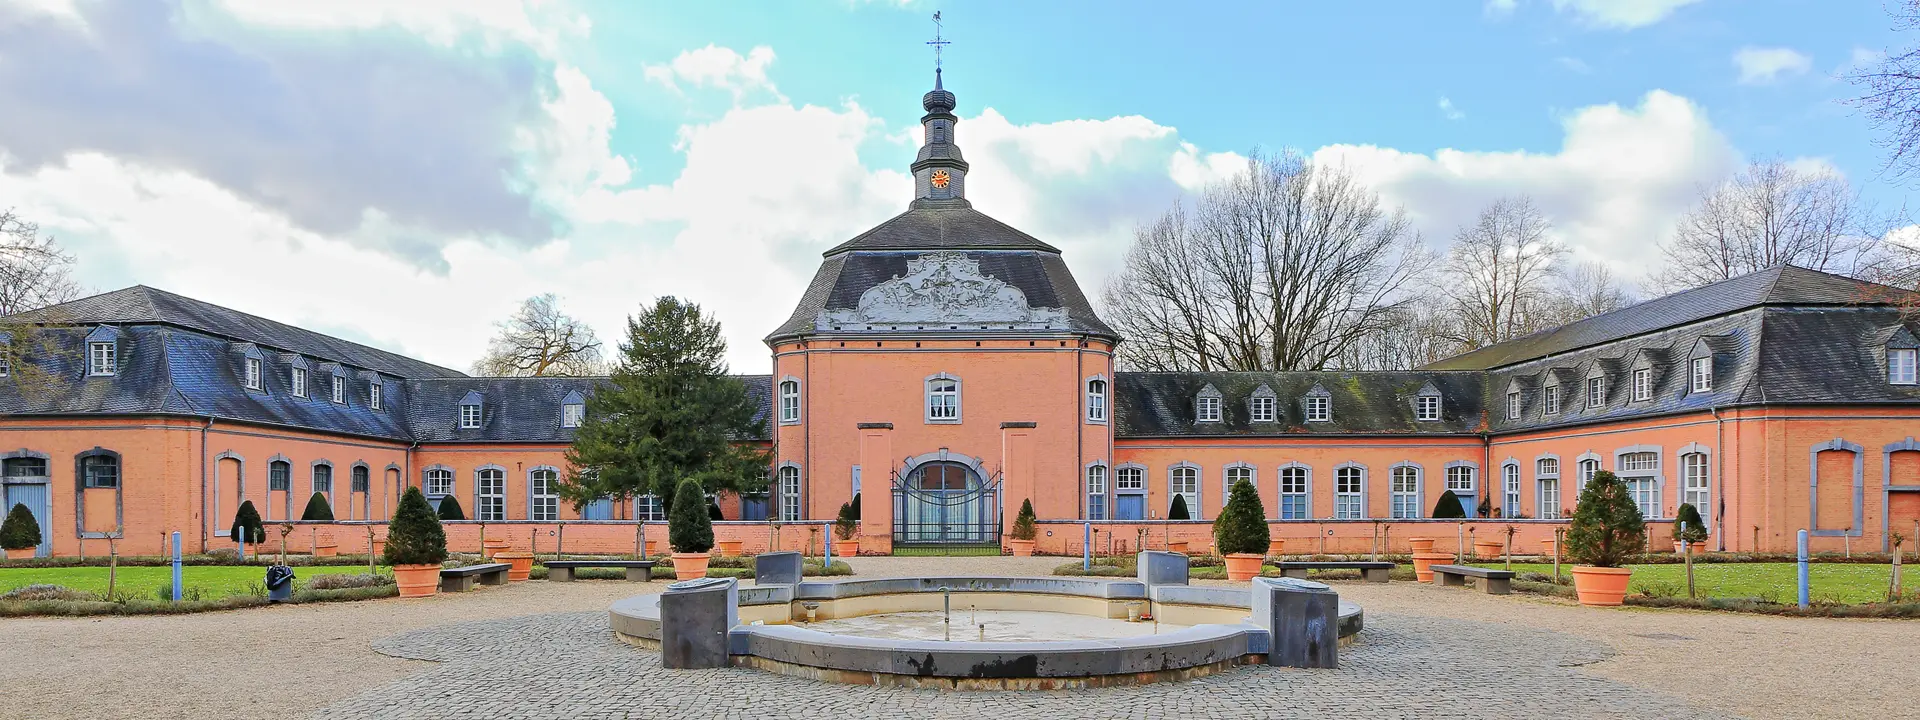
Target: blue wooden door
[(601, 509), (34, 496), (1131, 507)]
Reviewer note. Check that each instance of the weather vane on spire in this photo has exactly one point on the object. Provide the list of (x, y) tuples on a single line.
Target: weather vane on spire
[(937, 43)]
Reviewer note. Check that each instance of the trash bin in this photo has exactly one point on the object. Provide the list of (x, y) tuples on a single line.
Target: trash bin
[(279, 583)]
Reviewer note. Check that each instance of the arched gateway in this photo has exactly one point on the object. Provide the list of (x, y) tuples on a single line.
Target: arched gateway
[(945, 502)]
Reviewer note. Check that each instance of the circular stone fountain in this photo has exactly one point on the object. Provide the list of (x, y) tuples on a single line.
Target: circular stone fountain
[(1006, 632)]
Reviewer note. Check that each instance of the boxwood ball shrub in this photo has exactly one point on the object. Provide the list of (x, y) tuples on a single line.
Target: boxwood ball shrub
[(1449, 507), (1688, 526), (1242, 525), (1023, 523), (1607, 527), (19, 531), (688, 527), (449, 508), (317, 508), (246, 525), (415, 536)]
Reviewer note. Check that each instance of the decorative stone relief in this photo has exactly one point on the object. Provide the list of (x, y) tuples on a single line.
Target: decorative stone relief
[(942, 291)]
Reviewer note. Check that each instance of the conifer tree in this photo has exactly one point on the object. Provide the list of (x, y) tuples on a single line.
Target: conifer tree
[(1178, 510), (1449, 507), (1688, 526), (1242, 525), (1607, 527), (317, 508), (688, 528), (246, 525), (415, 536), (19, 531), (450, 508), (669, 413), (1023, 528)]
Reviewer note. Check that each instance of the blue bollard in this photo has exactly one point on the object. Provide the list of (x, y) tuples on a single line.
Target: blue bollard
[(176, 566), (1803, 569), (1086, 547), (827, 557)]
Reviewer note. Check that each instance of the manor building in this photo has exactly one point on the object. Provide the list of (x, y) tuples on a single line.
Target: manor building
[(946, 367)]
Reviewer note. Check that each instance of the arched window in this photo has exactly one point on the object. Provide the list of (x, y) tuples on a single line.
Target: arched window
[(1694, 483), (1294, 492), (96, 471), (1404, 490), (24, 467), (1183, 481), (1461, 480), (543, 502), (943, 399), (323, 480), (279, 480), (490, 489), (361, 479), (1096, 400), (1096, 492), (1547, 474), (439, 482), (100, 471), (789, 401), (1510, 477), (789, 493), (1640, 469), (1238, 473), (1349, 493)]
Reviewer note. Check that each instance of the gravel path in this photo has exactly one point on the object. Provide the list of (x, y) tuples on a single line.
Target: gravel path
[(1514, 656)]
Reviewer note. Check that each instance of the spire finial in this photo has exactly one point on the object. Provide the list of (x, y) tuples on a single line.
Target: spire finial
[(938, 45)]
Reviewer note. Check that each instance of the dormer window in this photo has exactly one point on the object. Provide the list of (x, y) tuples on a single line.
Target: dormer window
[(1550, 399), (1900, 366), (253, 373), (299, 382), (1318, 405), (373, 395), (1263, 406), (1426, 405), (1702, 375), (101, 359), (470, 407), (339, 389), (1643, 384), (1096, 400), (573, 409), (1596, 392), (1206, 405), (1513, 405)]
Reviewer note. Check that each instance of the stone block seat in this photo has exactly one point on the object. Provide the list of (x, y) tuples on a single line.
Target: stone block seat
[(461, 579), (562, 570), (1371, 571), (1492, 582)]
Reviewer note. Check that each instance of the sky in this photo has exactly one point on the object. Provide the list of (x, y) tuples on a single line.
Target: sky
[(404, 173)]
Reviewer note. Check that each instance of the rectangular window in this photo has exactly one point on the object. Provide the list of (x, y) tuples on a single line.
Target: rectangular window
[(360, 482), (789, 401), (1293, 493), (339, 389), (279, 477), (469, 416), (1096, 401), (1639, 461), (101, 359), (1130, 478), (1702, 374), (6, 365), (490, 487), (1552, 400), (101, 471), (1693, 482), (1550, 498), (373, 395), (647, 508), (323, 480), (1260, 409), (571, 415), (1429, 407), (1586, 470), (299, 382), (253, 374), (1184, 483), (1405, 491), (789, 493), (1596, 392), (1319, 408), (1206, 408), (1900, 367), (1510, 474), (439, 482), (1097, 492), (546, 503), (1644, 488), (1347, 504), (1513, 406), (1643, 385), (943, 400)]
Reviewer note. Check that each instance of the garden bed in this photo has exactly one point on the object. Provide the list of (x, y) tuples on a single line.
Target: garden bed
[(56, 600), (719, 567)]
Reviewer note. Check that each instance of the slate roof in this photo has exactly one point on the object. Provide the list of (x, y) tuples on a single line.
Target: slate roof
[(1778, 285), (1162, 404), (144, 305), (942, 225), (520, 409)]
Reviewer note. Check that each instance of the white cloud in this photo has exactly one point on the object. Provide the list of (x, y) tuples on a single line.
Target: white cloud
[(1615, 14), (1860, 59), (1614, 188), (1448, 111), (718, 67), (1573, 64), (1761, 66), (498, 23)]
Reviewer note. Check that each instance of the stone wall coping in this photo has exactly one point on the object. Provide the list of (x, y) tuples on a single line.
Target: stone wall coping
[(1081, 587)]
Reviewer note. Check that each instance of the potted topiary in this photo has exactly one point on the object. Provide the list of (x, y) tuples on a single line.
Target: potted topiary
[(319, 510), (1689, 529), (450, 510), (247, 531), (416, 545), (1178, 511), (690, 531), (1022, 540), (1240, 532), (1607, 529), (845, 527), (20, 533)]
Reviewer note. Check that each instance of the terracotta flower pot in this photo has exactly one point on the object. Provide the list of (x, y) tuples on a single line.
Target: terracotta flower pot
[(1276, 547), (1486, 549), (417, 580), (1021, 548), (728, 548), (519, 564), (1423, 563), (1420, 544), (490, 548), (846, 548), (1179, 546), (1601, 587), (1698, 547), (326, 548), (1243, 566), (687, 566), (21, 554)]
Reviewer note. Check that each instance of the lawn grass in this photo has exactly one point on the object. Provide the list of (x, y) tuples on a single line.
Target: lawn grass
[(214, 581), (1848, 583)]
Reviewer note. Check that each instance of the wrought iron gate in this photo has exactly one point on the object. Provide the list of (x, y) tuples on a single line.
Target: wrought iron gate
[(945, 503)]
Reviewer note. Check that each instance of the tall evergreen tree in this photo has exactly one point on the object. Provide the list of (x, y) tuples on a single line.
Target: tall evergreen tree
[(670, 412)]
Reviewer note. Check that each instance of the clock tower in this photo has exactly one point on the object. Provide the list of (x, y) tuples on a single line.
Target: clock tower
[(939, 172)]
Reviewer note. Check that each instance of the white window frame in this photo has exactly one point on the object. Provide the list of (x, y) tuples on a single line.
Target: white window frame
[(1235, 473), (373, 395), (1261, 408), (1131, 478), (6, 364), (1206, 409), (299, 382), (1097, 506), (1427, 408), (789, 401), (315, 484), (103, 358), (1642, 384), (543, 503), (1551, 400), (1547, 481), (1596, 392), (1464, 480), (1404, 492), (339, 389), (490, 494), (571, 414), (1301, 478), (943, 399), (1584, 470), (253, 373), (647, 508), (1702, 375), (1510, 482), (1901, 366), (1513, 405), (1097, 400), (1319, 408), (470, 415), (1187, 476), (1640, 468), (1349, 500), (1696, 481), (789, 493), (438, 482)]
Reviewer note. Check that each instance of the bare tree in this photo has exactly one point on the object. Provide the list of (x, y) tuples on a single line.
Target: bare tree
[(541, 340), (1499, 273), (1415, 334), (1587, 289), (34, 272), (1769, 214), (1287, 266), (1891, 96)]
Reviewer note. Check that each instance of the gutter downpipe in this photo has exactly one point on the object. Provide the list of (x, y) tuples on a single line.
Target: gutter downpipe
[(204, 518), (1719, 479), (406, 477)]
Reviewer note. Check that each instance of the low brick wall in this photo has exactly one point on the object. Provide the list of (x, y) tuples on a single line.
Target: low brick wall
[(1067, 537), (584, 537)]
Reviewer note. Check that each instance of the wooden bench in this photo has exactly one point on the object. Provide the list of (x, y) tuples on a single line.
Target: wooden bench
[(562, 570), (461, 579), (1493, 582), (1371, 571)]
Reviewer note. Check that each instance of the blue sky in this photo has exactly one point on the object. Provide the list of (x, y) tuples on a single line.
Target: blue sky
[(451, 158)]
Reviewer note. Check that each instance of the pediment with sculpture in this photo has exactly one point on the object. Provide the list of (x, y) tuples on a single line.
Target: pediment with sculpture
[(946, 289)]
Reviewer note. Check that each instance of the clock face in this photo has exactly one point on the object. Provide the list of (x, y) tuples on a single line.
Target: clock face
[(940, 178)]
